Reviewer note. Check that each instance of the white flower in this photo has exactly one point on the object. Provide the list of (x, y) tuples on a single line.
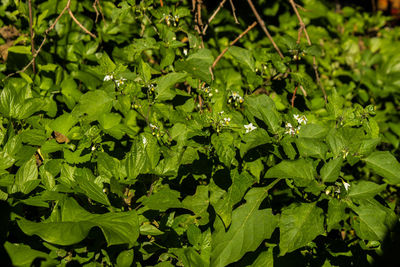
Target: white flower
[(120, 81), (227, 120), (291, 130), (250, 127), (185, 52), (300, 119), (153, 127), (108, 78), (346, 185)]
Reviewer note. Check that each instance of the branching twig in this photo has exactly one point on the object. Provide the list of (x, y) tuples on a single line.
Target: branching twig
[(32, 35), (232, 43), (80, 25), (221, 4), (46, 33), (95, 4), (234, 12), (262, 24), (303, 28)]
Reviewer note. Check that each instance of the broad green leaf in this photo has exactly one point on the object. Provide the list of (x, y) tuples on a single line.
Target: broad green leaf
[(93, 104), (265, 259), (26, 178), (223, 201), (296, 169), (365, 189), (162, 200), (6, 160), (372, 221), (384, 164), (243, 56), (63, 123), (23, 255), (189, 257), (336, 213), (85, 180), (75, 223), (253, 139), (125, 258), (263, 108), (313, 131), (250, 226), (198, 64), (311, 148), (20, 49), (331, 170), (299, 225), (224, 146), (198, 203), (165, 85)]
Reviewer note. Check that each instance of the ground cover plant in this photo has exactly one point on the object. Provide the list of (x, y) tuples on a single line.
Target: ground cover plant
[(198, 133)]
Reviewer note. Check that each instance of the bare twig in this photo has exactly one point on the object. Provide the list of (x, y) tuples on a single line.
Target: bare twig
[(161, 3), (46, 33), (315, 66), (95, 4), (32, 35), (221, 4), (234, 12), (232, 43), (262, 24), (80, 25)]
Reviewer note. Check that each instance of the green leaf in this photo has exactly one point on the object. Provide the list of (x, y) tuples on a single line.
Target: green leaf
[(223, 201), (165, 85), (263, 108), (63, 123), (189, 257), (243, 56), (162, 200), (20, 49), (23, 255), (93, 104), (331, 170), (336, 214), (313, 131), (311, 148), (365, 189), (125, 258), (75, 223), (85, 180), (198, 203), (250, 226), (373, 220), (224, 146), (384, 164), (296, 169), (253, 139), (26, 178), (299, 225), (265, 259), (198, 64)]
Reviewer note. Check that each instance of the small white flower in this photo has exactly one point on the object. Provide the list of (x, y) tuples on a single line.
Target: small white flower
[(227, 120), (153, 127), (120, 81), (346, 185), (93, 148), (185, 52), (221, 112), (249, 127), (235, 95), (296, 116), (216, 91), (300, 119), (108, 78)]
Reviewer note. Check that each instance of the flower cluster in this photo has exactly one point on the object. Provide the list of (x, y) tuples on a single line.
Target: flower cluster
[(151, 89), (111, 77), (290, 129), (155, 130), (207, 91), (169, 18), (236, 99), (249, 127)]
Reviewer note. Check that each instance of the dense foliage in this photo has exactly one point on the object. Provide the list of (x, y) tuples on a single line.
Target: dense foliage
[(127, 140)]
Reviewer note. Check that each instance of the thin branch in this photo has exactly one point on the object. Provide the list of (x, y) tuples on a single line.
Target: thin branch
[(262, 24), (32, 35), (221, 4), (315, 66), (232, 43), (80, 25), (234, 12), (161, 3), (95, 4)]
